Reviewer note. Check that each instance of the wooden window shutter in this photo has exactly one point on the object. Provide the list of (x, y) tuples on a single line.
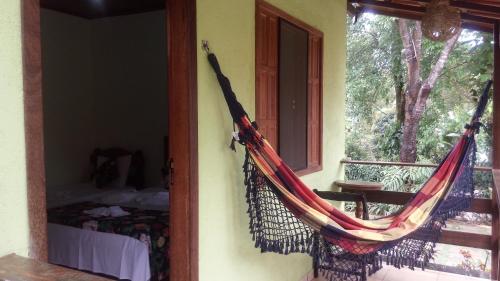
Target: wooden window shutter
[(267, 103), (314, 126), (266, 68)]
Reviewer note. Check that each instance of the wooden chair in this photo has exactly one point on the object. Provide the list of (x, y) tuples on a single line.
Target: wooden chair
[(359, 187), (358, 198)]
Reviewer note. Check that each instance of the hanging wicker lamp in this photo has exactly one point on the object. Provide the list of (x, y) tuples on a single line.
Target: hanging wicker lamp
[(441, 21)]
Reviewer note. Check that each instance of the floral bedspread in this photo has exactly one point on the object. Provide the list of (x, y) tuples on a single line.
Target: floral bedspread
[(148, 226)]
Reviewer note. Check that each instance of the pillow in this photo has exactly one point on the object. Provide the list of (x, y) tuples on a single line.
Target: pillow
[(117, 198), (117, 167), (112, 172), (123, 167)]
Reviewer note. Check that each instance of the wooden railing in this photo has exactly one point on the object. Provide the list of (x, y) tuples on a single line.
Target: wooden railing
[(466, 239), (495, 225), (403, 164)]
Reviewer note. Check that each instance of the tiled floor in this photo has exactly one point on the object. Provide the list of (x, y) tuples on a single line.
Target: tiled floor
[(389, 273)]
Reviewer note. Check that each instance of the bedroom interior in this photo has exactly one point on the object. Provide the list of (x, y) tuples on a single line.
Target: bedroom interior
[(105, 106)]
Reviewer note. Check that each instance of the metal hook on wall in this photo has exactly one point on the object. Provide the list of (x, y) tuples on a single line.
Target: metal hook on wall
[(205, 47)]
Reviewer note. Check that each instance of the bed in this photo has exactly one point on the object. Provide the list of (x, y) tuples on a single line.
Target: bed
[(132, 247)]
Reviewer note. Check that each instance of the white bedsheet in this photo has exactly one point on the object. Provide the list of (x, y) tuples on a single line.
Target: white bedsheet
[(111, 254)]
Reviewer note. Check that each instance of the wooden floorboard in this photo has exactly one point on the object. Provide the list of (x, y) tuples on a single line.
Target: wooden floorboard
[(16, 268)]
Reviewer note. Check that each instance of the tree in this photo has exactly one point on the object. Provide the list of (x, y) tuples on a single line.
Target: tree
[(376, 84), (417, 89)]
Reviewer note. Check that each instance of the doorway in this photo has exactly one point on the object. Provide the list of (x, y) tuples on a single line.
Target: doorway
[(181, 52)]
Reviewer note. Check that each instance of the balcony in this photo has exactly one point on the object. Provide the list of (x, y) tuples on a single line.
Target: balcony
[(466, 250)]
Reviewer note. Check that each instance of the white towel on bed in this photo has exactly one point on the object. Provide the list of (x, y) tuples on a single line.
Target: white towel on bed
[(113, 211), (117, 211)]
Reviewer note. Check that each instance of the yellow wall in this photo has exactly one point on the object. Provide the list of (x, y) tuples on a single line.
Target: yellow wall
[(226, 249), (13, 205)]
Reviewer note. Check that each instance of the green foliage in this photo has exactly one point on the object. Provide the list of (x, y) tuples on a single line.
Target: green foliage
[(364, 173), (387, 139), (375, 69), (407, 179)]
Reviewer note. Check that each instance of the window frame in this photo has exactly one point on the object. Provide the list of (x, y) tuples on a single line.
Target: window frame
[(267, 46)]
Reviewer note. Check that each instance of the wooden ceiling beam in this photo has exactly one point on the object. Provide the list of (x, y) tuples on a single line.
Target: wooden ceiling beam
[(470, 6), (475, 18), (393, 9), (402, 15), (91, 9), (478, 26), (420, 5), (391, 5)]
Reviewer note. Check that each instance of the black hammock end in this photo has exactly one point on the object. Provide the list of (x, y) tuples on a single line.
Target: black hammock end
[(235, 108)]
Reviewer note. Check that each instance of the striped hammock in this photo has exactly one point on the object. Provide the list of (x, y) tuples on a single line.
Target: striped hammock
[(287, 217)]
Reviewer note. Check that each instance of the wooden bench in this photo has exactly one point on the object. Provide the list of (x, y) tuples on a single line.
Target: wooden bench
[(358, 187), (16, 268)]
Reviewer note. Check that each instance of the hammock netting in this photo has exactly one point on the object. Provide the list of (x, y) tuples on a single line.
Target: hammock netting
[(276, 229), (287, 217)]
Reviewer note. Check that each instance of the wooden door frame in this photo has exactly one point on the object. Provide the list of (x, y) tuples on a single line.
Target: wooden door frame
[(183, 120)]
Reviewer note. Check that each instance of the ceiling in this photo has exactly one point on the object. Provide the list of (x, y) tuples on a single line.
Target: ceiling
[(476, 14), (93, 9)]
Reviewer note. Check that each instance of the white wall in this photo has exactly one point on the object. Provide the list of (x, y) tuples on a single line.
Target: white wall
[(104, 85)]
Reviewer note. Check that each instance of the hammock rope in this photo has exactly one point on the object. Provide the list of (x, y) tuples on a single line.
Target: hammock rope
[(287, 217)]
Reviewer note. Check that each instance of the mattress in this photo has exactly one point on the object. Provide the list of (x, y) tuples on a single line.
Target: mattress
[(126, 247)]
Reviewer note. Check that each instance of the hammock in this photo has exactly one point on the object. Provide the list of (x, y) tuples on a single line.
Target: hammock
[(288, 217)]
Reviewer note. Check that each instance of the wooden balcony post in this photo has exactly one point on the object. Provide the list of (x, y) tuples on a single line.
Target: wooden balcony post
[(496, 154)]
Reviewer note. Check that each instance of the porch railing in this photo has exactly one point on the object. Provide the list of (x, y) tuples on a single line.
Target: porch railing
[(403, 164), (479, 205)]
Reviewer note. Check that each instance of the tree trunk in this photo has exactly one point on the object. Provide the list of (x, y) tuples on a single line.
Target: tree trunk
[(417, 90), (397, 72), (408, 151), (399, 86)]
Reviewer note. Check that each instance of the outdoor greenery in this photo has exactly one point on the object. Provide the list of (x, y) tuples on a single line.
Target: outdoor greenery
[(376, 72)]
